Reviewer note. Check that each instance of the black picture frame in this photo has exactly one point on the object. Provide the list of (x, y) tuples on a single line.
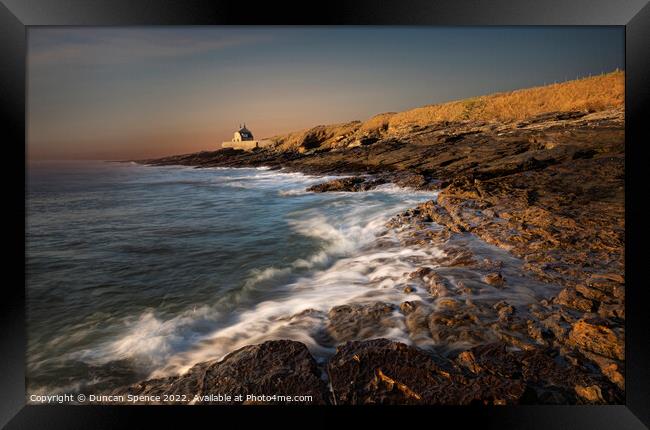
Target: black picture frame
[(17, 15)]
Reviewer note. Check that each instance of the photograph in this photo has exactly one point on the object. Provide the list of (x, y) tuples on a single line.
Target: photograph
[(325, 215)]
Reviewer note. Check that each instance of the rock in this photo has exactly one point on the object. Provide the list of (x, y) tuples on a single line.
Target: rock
[(359, 321), (417, 321), (281, 367), (590, 293), (447, 303), (495, 279), (593, 335), (571, 298), (408, 307), (555, 325), (547, 380), (538, 333), (467, 360), (422, 273), (380, 371), (612, 369), (609, 287), (409, 289), (437, 285), (612, 310), (451, 323), (489, 264), (459, 256), (416, 181), (356, 183), (432, 211), (504, 310), (591, 393)]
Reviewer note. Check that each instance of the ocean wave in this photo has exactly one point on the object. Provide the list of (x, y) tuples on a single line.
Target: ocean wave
[(348, 269), (149, 340)]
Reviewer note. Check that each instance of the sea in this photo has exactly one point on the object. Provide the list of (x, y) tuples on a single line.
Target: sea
[(138, 272)]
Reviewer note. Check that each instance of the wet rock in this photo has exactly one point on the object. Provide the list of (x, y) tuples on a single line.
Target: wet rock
[(495, 279), (467, 360), (453, 322), (385, 372), (408, 307), (359, 321), (355, 184), (431, 211), (381, 371), (514, 338), (421, 273), (488, 264), (417, 322), (610, 283), (591, 394), (555, 324), (538, 333), (504, 310), (592, 294), (437, 285), (593, 335), (281, 367), (448, 304), (459, 256), (547, 378), (612, 310), (612, 369), (416, 181), (409, 289), (573, 299)]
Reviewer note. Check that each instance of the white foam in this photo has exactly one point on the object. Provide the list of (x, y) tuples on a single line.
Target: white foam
[(149, 340), (348, 268), (356, 276)]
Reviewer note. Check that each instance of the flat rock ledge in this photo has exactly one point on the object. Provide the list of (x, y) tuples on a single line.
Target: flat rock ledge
[(369, 182), (381, 371)]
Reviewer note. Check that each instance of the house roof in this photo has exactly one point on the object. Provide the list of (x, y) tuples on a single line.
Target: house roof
[(245, 132)]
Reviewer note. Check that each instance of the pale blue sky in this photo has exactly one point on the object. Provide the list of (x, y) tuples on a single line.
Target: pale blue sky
[(138, 92)]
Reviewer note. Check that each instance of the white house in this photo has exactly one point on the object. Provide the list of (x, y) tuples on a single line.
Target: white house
[(243, 139), (243, 134)]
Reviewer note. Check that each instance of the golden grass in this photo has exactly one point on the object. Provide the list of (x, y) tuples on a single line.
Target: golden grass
[(591, 94)]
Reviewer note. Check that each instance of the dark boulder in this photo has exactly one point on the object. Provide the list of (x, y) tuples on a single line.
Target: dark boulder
[(279, 367), (354, 184)]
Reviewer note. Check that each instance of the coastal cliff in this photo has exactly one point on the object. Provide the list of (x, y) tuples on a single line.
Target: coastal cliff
[(537, 172)]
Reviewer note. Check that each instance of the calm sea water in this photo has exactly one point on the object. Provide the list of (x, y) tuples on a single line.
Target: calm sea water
[(137, 271)]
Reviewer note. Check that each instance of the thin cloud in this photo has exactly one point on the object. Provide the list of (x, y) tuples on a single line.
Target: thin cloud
[(48, 47)]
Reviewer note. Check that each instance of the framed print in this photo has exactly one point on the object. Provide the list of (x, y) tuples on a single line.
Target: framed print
[(381, 210)]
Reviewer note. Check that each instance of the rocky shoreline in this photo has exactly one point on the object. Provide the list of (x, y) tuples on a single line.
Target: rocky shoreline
[(548, 189)]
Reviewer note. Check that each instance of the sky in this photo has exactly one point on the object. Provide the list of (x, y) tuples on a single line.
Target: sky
[(140, 92)]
